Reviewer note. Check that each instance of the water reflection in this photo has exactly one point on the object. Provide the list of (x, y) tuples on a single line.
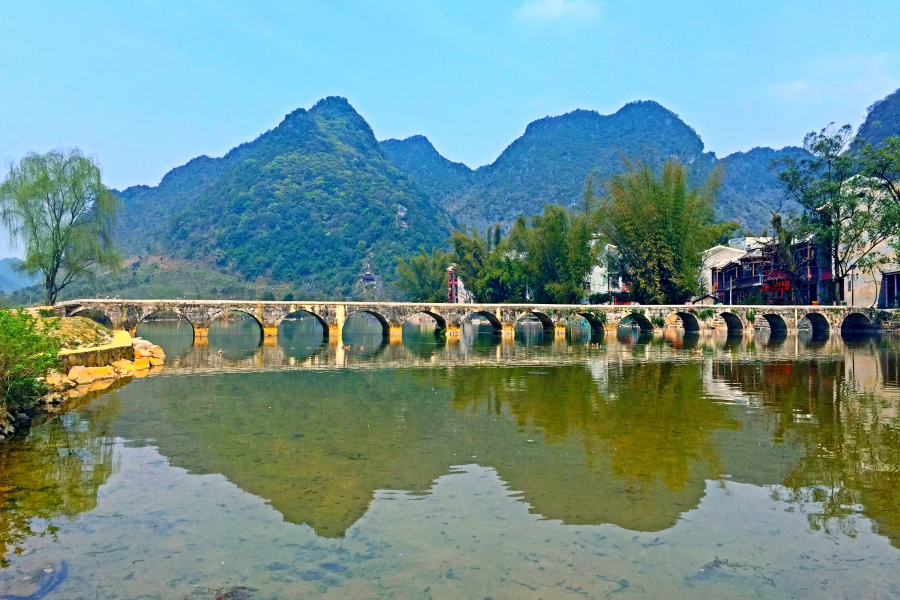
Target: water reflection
[(170, 332), (235, 335), (301, 335), (633, 432), (53, 474)]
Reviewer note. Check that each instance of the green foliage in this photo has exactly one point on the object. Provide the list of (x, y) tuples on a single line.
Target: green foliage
[(547, 261), (841, 210), (659, 227), (268, 296), (881, 167), (751, 315), (658, 321), (706, 314), (491, 275), (58, 207), (312, 202), (882, 122), (424, 277), (753, 299), (289, 297), (27, 352), (555, 156), (558, 253)]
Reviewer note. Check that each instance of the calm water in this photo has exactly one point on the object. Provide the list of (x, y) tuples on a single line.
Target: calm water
[(534, 467)]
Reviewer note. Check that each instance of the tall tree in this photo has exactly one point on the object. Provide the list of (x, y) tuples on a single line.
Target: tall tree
[(491, 275), (881, 166), (58, 207), (558, 252), (659, 227), (424, 277), (841, 209)]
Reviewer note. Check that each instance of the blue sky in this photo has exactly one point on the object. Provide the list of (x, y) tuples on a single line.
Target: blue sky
[(145, 86)]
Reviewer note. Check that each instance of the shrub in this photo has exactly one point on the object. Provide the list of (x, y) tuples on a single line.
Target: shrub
[(289, 297), (268, 297), (27, 352), (658, 321), (751, 315), (706, 313)]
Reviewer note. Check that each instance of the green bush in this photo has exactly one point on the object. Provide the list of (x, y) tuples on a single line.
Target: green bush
[(658, 321), (268, 297), (27, 352), (706, 313)]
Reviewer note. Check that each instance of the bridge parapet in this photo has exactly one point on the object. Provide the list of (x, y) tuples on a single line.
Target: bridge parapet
[(127, 314)]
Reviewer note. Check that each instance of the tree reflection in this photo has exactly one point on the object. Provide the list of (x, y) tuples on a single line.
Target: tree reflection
[(851, 439), (653, 420), (53, 474)]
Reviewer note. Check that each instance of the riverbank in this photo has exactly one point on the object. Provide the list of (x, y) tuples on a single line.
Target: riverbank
[(91, 359)]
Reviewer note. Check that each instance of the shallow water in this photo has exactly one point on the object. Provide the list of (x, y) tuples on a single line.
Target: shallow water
[(527, 467)]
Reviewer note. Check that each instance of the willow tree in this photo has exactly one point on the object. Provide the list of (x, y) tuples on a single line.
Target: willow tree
[(56, 205), (659, 226)]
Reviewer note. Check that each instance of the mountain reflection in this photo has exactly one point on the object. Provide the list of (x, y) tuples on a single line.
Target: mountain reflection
[(630, 434)]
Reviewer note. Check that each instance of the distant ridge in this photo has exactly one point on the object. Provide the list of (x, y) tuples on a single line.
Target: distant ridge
[(551, 161)]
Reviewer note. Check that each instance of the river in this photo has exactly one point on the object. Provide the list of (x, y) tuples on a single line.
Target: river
[(626, 466)]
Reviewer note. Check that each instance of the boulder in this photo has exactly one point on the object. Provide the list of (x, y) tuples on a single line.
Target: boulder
[(102, 373), (80, 375), (141, 364)]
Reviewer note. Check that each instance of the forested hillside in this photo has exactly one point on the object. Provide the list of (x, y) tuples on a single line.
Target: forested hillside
[(882, 121), (553, 158), (313, 201)]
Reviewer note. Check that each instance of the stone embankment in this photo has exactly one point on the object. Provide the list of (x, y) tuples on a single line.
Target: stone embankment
[(84, 373), (94, 369)]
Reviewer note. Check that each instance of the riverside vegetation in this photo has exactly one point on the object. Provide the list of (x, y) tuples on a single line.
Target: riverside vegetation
[(32, 348)]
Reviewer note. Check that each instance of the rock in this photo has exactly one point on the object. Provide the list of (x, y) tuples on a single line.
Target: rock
[(80, 375), (156, 362), (54, 398), (123, 367), (141, 364), (157, 352), (142, 352), (102, 373), (57, 381)]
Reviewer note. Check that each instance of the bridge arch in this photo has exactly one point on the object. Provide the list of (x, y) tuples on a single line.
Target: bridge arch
[(688, 321), (220, 314), (817, 321), (94, 314), (732, 322), (856, 323), (440, 322), (155, 314), (776, 322), (300, 314), (545, 321), (595, 323), (385, 325), (642, 321), (489, 316)]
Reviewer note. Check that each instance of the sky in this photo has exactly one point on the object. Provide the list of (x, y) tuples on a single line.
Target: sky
[(145, 86)]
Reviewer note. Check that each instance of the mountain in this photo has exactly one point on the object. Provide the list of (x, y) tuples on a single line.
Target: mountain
[(550, 162), (313, 200), (750, 188), (10, 279), (882, 121), (443, 180)]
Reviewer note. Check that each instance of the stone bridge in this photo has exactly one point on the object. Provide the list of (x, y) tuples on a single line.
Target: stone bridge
[(127, 314)]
